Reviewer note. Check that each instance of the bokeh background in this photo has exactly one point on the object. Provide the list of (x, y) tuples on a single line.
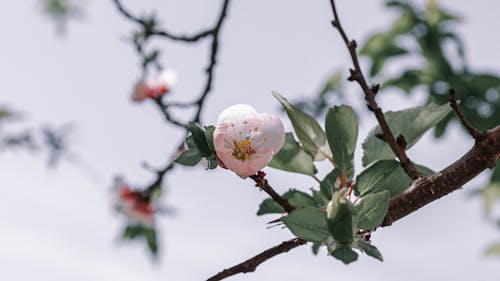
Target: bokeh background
[(58, 224)]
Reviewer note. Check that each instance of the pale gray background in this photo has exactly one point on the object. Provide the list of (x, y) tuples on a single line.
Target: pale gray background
[(59, 225)]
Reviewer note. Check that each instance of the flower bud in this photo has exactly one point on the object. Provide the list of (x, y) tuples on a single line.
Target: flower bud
[(245, 141), (137, 209), (155, 88)]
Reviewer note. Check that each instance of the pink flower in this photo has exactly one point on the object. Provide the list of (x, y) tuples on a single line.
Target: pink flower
[(140, 91), (139, 210), (155, 88), (245, 141)]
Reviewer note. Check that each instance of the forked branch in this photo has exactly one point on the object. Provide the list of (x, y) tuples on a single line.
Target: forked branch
[(356, 74), (423, 190)]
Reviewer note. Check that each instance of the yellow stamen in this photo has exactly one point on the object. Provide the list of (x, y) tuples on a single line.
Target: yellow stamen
[(243, 150)]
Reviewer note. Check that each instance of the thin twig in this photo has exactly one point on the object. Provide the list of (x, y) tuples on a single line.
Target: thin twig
[(161, 173), (475, 133), (263, 184), (251, 264), (214, 34), (162, 33), (357, 75), (213, 60), (168, 116)]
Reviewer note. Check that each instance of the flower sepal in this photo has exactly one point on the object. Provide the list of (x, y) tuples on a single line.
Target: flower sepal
[(199, 146)]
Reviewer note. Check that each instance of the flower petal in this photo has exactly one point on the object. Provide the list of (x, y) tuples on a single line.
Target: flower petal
[(245, 141)]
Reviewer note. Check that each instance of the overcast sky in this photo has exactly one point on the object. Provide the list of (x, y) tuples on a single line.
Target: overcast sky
[(58, 224)]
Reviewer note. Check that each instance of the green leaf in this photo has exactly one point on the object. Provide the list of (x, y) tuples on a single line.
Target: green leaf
[(199, 139), (341, 217), (309, 133), (328, 184), (380, 48), (403, 24), (374, 178), (407, 80), (374, 45), (151, 239), (307, 223), (189, 157), (293, 158), (368, 248), (385, 175), (212, 161), (209, 135), (342, 132), (269, 206), (491, 194), (493, 250), (315, 247), (320, 198), (371, 210), (424, 170), (132, 231), (412, 123), (149, 234), (156, 192), (297, 198), (190, 142), (345, 254), (495, 176)]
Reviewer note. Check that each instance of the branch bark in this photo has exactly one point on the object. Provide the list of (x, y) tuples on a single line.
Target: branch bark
[(163, 33), (423, 191), (481, 156), (397, 145), (261, 182), (212, 33), (251, 264)]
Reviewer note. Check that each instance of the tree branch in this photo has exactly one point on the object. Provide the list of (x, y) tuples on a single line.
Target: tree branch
[(398, 147), (214, 34), (423, 191), (213, 60), (251, 264), (162, 33), (261, 182), (481, 156), (476, 134)]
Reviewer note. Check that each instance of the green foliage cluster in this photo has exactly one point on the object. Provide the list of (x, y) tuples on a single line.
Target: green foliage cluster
[(430, 57), (62, 11), (138, 231), (427, 36), (328, 216), (200, 145)]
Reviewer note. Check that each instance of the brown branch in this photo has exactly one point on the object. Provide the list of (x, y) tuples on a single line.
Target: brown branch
[(262, 183), (251, 264), (214, 34), (162, 33), (214, 47), (475, 133), (423, 191), (481, 156), (168, 116), (357, 75)]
